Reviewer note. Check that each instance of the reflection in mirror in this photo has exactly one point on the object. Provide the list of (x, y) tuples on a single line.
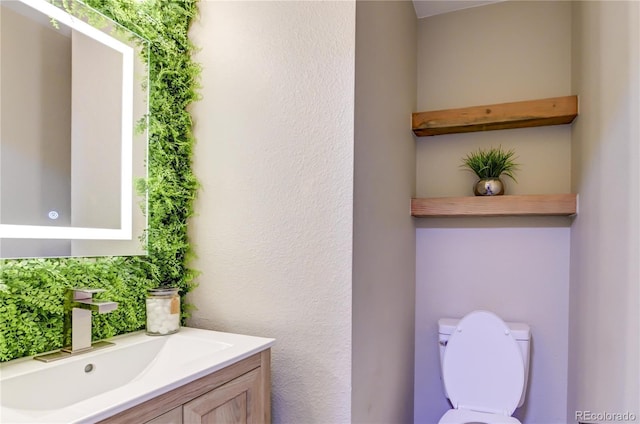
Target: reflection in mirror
[(71, 97)]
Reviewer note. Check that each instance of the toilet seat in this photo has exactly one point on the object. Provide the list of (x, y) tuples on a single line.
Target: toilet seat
[(459, 416), (483, 371)]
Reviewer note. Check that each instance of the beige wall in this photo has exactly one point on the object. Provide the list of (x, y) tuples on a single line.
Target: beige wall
[(604, 316), (384, 233), (523, 277), (274, 231), (493, 54), (274, 227), (303, 233), (518, 268)]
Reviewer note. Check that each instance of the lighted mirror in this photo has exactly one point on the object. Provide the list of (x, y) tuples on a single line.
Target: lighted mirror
[(72, 137)]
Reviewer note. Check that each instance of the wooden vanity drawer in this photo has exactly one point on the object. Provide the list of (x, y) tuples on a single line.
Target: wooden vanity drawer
[(237, 394)]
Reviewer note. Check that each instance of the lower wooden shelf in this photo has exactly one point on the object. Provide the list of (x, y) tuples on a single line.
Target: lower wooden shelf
[(516, 205)]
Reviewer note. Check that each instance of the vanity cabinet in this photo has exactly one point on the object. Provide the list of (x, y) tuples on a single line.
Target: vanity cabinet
[(235, 402), (237, 394), (172, 417)]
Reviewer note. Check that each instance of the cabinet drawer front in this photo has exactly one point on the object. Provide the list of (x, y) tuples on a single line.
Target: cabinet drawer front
[(172, 417), (236, 402)]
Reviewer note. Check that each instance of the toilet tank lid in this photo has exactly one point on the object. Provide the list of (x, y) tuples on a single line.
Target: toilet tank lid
[(520, 331)]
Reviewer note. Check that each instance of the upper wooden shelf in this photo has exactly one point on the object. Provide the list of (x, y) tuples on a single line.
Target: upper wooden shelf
[(532, 113), (512, 205)]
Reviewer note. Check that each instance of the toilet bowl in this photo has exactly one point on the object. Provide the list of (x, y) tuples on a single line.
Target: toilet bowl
[(484, 368)]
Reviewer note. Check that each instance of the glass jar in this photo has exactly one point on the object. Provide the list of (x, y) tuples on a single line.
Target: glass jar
[(163, 311)]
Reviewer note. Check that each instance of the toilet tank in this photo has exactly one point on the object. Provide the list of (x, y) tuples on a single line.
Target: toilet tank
[(520, 331)]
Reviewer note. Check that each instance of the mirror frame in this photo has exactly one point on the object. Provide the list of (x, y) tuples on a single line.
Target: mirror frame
[(10, 231)]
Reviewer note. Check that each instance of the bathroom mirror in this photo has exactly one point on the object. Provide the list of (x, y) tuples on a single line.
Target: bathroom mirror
[(73, 138)]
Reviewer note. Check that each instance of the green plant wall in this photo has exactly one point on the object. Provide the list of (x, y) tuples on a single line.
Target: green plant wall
[(32, 290)]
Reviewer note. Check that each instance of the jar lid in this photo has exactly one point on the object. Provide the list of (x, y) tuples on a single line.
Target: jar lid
[(163, 291)]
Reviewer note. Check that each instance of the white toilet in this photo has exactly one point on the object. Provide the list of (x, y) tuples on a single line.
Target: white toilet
[(485, 366)]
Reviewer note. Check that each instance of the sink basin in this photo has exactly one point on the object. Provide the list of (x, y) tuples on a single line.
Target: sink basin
[(93, 386), (81, 377)]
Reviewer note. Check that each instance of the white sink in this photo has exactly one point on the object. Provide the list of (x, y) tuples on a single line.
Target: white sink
[(93, 386)]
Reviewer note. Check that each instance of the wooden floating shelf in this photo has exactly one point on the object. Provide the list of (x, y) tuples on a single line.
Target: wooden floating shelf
[(532, 113), (516, 205)]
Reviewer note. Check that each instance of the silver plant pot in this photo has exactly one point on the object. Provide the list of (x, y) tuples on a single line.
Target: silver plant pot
[(489, 187)]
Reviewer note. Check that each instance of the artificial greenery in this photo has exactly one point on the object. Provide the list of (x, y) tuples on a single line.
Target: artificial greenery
[(32, 290), (491, 163)]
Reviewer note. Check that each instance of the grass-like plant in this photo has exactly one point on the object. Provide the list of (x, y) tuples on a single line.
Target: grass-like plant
[(491, 163), (31, 290)]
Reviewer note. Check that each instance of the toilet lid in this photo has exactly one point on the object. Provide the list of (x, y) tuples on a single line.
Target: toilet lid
[(483, 369)]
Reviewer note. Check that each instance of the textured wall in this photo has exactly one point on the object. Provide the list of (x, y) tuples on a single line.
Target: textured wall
[(604, 315), (522, 275), (384, 233), (275, 160), (492, 54), (495, 54)]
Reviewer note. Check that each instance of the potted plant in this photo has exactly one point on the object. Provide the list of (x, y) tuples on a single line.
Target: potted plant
[(489, 165)]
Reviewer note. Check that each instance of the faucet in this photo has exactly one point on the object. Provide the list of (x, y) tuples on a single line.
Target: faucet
[(79, 304)]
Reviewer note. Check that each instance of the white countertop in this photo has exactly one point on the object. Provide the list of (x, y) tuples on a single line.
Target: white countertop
[(174, 360)]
